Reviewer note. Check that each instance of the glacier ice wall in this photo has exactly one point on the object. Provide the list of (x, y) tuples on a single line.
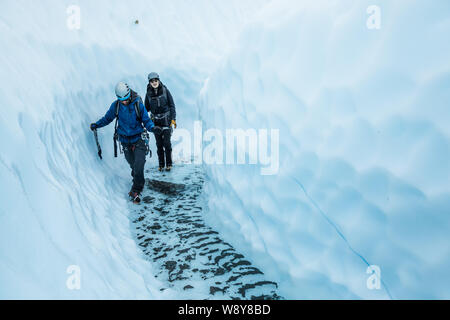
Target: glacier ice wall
[(364, 147), (59, 204)]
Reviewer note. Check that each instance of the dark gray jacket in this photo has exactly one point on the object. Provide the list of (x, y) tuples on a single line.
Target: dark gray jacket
[(164, 105)]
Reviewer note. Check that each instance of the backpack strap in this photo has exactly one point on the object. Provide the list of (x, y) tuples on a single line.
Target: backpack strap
[(138, 112), (165, 93), (117, 109), (117, 118)]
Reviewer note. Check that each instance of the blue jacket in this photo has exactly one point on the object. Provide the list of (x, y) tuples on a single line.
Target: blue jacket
[(129, 128)]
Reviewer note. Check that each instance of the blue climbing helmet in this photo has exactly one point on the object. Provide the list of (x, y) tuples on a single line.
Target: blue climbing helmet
[(123, 91)]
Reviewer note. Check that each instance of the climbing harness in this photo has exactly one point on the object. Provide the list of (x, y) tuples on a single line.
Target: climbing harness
[(146, 137)]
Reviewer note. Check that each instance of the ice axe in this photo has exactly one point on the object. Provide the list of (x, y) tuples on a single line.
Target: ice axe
[(98, 144)]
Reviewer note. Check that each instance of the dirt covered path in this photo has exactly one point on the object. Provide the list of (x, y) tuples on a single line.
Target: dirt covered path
[(190, 256)]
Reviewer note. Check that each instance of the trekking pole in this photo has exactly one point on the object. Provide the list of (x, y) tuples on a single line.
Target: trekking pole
[(98, 144)]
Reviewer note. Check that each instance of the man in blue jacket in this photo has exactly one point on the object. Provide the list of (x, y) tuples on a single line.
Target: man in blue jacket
[(131, 116)]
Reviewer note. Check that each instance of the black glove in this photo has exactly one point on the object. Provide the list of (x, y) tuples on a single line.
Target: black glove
[(93, 126)]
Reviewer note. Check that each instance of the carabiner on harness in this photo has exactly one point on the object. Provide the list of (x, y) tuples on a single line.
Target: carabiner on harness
[(146, 137)]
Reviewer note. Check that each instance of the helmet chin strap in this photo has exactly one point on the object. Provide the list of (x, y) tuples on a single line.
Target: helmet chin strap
[(125, 99)]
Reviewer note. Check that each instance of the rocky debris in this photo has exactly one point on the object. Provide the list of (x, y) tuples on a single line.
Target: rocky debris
[(172, 234)]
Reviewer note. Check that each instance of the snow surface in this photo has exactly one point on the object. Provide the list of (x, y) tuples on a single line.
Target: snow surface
[(364, 141)]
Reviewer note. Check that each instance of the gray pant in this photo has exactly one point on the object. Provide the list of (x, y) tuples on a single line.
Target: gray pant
[(135, 155)]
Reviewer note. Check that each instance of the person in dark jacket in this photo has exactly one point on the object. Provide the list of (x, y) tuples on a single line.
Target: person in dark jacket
[(130, 127), (160, 104)]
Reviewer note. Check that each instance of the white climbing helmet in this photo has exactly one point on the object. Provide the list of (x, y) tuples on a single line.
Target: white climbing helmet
[(123, 91)]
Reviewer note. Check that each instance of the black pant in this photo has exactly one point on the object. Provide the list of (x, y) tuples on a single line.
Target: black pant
[(164, 147), (135, 155)]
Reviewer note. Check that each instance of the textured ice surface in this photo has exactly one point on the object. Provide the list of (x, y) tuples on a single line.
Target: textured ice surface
[(59, 204), (364, 155), (364, 147)]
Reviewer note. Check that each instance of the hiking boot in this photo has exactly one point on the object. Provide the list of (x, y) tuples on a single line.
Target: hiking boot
[(168, 168), (135, 197)]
